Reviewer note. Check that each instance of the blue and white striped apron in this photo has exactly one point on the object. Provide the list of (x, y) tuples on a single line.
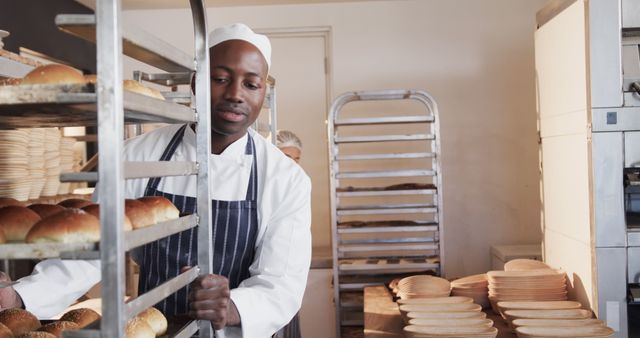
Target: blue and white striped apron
[(235, 228)]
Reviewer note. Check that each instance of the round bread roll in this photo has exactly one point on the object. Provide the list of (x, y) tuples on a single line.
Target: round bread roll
[(94, 209), (10, 82), (137, 87), (46, 210), (19, 321), (6, 201), (139, 213), (91, 78), (69, 226), (56, 328), (82, 317), (138, 328), (5, 332), (155, 319), (75, 203), (162, 208), (53, 74), (15, 222), (37, 334)]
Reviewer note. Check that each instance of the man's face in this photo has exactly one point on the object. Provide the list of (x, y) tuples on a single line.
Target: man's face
[(238, 87)]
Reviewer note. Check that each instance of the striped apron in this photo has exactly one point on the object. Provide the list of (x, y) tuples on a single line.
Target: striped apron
[(234, 229)]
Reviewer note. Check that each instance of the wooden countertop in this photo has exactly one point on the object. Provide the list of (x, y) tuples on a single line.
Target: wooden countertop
[(382, 317)]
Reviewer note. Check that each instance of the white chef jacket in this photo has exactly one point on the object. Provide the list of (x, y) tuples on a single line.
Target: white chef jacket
[(273, 294)]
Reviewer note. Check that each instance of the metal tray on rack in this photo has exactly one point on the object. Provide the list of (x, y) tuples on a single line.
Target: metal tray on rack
[(29, 106)]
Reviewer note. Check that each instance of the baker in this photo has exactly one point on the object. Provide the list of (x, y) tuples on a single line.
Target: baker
[(261, 212)]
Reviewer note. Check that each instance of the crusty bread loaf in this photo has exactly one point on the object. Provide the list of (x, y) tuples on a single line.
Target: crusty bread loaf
[(69, 226), (37, 334), (155, 319), (57, 327), (53, 74), (15, 222), (137, 87), (5, 332), (94, 209), (75, 203), (162, 208), (139, 213), (139, 328), (46, 210), (6, 201), (19, 321), (82, 316)]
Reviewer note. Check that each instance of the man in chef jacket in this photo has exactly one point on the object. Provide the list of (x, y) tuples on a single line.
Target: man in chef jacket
[(261, 212)]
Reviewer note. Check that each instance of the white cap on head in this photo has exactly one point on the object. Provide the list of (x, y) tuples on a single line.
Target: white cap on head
[(240, 31)]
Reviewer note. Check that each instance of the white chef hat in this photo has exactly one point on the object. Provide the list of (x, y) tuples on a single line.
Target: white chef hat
[(240, 31)]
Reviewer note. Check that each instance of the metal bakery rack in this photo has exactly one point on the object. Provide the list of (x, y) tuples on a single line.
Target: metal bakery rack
[(386, 198), (108, 107)]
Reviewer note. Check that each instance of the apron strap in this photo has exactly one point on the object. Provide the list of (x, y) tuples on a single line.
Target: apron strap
[(252, 189), (153, 182)]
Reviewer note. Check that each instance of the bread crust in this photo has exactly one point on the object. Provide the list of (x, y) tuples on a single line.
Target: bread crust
[(19, 321), (139, 213), (46, 210), (81, 316), (69, 226), (16, 222), (53, 74), (162, 208)]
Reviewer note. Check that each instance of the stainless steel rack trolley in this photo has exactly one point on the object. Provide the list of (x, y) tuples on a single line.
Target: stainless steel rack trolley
[(110, 108), (386, 197)]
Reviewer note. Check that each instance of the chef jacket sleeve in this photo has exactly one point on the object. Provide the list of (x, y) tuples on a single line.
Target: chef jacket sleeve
[(55, 284), (273, 294)]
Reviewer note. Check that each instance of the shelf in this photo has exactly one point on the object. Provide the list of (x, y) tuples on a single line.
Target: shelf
[(30, 106), (160, 292), (388, 247), (135, 169), (362, 230), (383, 138), (136, 43), (386, 209), (383, 156), (386, 265), (390, 240), (45, 250), (164, 79), (356, 286), (152, 233), (384, 120), (385, 173)]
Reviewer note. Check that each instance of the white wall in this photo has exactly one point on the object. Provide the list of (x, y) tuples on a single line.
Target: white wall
[(474, 56)]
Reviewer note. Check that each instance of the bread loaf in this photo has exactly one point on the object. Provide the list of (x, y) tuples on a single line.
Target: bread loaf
[(57, 327), (5, 332), (6, 201), (75, 203), (19, 321), (82, 317), (37, 334), (46, 210), (155, 319), (137, 87), (15, 222), (53, 74), (139, 328), (94, 209), (139, 213), (69, 226), (161, 207)]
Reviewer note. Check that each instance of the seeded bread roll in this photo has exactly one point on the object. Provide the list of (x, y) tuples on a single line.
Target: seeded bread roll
[(75, 203), (155, 319), (53, 74), (19, 321), (139, 213), (82, 317), (57, 327), (46, 210), (162, 208), (15, 222), (69, 226), (5, 332), (37, 334), (137, 87), (94, 209), (139, 328)]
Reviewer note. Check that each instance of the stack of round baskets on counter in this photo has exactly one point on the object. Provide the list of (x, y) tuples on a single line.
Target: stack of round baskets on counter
[(475, 287), (428, 310), (14, 164)]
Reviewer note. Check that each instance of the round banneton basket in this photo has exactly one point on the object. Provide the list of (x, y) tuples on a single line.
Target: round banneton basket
[(416, 331), (584, 331), (558, 322)]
